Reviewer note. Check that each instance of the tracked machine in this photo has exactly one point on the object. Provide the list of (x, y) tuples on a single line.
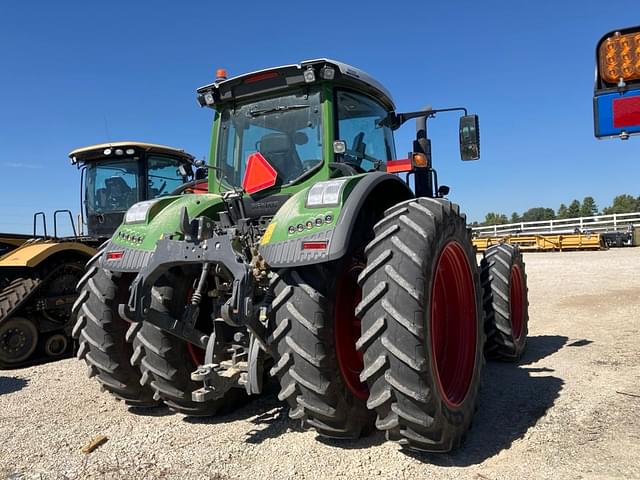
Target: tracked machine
[(39, 272), (310, 259)]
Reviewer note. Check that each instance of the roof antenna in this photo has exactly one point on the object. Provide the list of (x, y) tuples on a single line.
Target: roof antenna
[(106, 128)]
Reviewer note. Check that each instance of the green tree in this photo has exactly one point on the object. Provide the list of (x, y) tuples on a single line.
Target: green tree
[(538, 214), (562, 211), (515, 218), (588, 207), (493, 218), (623, 204), (574, 209)]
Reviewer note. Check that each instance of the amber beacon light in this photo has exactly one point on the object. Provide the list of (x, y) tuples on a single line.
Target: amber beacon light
[(616, 95), (619, 57)]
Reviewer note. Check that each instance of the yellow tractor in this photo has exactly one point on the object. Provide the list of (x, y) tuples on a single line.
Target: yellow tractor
[(39, 272)]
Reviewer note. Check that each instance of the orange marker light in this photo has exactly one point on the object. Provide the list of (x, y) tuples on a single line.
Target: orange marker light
[(619, 58), (221, 73), (419, 160)]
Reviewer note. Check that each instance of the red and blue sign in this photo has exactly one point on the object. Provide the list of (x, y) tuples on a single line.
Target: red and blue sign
[(617, 114)]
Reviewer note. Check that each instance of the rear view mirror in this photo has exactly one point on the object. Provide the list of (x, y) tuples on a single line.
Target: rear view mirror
[(185, 172), (469, 137)]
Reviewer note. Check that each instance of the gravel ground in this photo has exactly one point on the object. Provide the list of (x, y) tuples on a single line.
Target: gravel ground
[(569, 409)]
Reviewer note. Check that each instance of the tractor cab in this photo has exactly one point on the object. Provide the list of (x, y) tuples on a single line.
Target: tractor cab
[(278, 130), (117, 175)]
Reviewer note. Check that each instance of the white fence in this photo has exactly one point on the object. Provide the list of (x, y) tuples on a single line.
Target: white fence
[(596, 223)]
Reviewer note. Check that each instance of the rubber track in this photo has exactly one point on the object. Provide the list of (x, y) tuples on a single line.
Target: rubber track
[(101, 334), (495, 269), (166, 364), (15, 294), (395, 341), (305, 360)]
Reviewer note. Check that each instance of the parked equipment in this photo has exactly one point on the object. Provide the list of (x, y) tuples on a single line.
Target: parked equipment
[(38, 273), (309, 259), (545, 242)]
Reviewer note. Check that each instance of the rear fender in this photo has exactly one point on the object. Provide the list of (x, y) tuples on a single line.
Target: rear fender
[(371, 193)]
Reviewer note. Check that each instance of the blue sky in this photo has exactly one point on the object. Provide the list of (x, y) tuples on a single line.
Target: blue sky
[(75, 73)]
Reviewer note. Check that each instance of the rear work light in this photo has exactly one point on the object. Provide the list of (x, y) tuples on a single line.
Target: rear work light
[(619, 58)]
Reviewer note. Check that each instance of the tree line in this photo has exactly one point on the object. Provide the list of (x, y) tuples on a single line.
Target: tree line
[(624, 203)]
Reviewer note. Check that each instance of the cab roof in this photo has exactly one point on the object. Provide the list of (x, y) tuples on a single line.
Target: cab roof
[(97, 152), (286, 76)]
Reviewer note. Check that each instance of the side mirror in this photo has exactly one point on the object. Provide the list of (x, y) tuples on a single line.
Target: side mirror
[(185, 171), (469, 137), (201, 173), (443, 191)]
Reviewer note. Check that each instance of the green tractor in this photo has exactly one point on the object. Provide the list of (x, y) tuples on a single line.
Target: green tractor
[(310, 259)]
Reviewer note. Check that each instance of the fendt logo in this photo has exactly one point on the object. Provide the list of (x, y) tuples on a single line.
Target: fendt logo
[(616, 99)]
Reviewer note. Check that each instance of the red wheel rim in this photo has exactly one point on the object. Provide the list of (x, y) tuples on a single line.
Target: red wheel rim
[(453, 324), (196, 354), (347, 330), (516, 302)]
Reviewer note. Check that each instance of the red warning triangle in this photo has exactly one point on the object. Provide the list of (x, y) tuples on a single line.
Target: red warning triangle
[(259, 174)]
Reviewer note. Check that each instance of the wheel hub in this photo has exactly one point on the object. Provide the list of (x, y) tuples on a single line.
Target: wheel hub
[(56, 345), (14, 339), (18, 340)]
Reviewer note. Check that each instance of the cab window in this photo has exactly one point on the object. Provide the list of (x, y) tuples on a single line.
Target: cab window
[(112, 186), (286, 130), (164, 176), (369, 144)]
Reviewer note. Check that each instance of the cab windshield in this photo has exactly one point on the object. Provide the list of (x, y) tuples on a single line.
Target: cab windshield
[(112, 186), (285, 130)]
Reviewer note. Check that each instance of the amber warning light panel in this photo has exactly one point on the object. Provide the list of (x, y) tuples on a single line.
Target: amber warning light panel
[(616, 99)]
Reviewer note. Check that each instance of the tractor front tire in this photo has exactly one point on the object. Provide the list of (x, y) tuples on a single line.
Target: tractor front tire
[(506, 304), (321, 388), (422, 325), (105, 338)]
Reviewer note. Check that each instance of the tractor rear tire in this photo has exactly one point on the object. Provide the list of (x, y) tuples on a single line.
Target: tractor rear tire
[(104, 337), (506, 305), (314, 381), (167, 361), (422, 325)]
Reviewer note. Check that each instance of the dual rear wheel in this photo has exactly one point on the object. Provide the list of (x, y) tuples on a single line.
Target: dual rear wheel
[(396, 340), (138, 362), (314, 337)]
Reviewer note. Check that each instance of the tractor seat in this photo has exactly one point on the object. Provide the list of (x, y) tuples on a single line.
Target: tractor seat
[(118, 192), (281, 153)]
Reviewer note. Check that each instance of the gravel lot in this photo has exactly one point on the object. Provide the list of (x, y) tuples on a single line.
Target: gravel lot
[(569, 409)]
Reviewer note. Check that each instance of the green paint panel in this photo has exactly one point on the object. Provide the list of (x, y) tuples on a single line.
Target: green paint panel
[(164, 218), (294, 213)]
